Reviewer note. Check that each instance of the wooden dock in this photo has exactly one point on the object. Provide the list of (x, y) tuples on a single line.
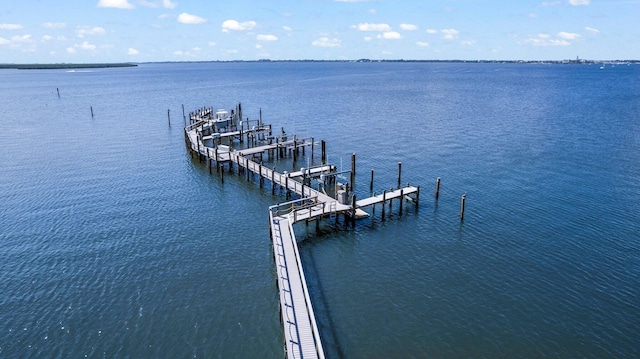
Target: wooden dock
[(302, 338)]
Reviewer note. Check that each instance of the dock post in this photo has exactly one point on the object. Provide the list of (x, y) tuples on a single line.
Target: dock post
[(261, 180), (273, 182), (169, 117), (401, 199), (222, 173), (418, 197), (324, 152), (312, 145), (286, 187), (184, 117), (371, 183), (353, 171), (91, 107), (462, 200), (437, 188), (353, 210), (399, 174), (216, 154), (384, 199), (58, 89), (391, 202)]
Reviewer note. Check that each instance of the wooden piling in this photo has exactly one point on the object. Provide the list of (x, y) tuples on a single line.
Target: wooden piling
[(184, 117), (399, 174), (371, 183), (437, 187), (58, 90), (169, 117), (401, 199), (91, 107), (353, 171), (312, 145), (462, 200), (384, 199), (324, 152)]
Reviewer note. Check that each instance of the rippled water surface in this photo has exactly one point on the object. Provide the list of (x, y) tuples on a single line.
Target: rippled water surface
[(114, 242)]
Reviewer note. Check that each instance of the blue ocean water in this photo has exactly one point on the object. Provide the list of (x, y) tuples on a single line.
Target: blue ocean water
[(116, 243)]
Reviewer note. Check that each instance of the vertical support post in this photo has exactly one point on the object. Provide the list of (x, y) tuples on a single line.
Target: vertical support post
[(437, 188), (353, 210), (324, 152), (371, 183), (384, 199), (462, 200), (222, 173), (216, 154), (169, 117), (312, 145), (184, 117), (91, 107), (286, 187), (273, 182), (399, 174), (353, 171), (401, 199), (57, 89)]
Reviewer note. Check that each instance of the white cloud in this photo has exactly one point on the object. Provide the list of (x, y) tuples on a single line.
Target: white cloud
[(211, 43), (4, 41), (408, 27), (47, 38), (368, 38), (23, 38), (468, 42), (167, 4), (432, 31), (590, 29), (545, 40), (71, 50), (373, 27), (326, 42), (131, 51), (287, 28), (568, 35), (258, 46), (579, 2), (390, 35), (185, 18), (178, 53), (87, 46), (267, 38), (10, 26), (450, 34), (81, 31), (551, 3), (238, 26), (54, 25), (422, 43), (118, 4)]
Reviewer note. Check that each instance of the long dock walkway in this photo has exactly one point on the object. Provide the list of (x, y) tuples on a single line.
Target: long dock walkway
[(302, 338)]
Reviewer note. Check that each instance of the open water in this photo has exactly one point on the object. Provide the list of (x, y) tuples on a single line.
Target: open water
[(114, 242)]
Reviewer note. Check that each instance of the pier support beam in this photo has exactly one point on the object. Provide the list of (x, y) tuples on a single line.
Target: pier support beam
[(462, 200), (352, 180), (437, 188), (399, 174), (324, 152)]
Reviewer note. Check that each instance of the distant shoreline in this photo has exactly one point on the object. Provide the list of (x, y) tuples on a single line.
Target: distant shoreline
[(63, 66), (70, 66)]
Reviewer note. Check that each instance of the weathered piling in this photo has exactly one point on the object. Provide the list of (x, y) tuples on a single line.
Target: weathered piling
[(462, 204), (91, 108), (58, 90), (437, 187), (352, 180), (399, 173), (371, 183), (169, 117), (184, 117), (324, 152)]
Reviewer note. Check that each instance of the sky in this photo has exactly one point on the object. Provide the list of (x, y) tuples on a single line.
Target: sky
[(80, 31)]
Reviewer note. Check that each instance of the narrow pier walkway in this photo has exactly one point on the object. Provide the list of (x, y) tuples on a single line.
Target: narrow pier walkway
[(302, 339)]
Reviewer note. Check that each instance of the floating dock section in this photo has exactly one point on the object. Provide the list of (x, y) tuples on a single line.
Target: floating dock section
[(220, 139)]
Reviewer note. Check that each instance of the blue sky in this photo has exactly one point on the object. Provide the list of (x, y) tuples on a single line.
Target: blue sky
[(48, 31)]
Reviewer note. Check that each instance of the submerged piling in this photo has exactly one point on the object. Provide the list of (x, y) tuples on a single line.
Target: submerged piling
[(462, 200), (437, 187)]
